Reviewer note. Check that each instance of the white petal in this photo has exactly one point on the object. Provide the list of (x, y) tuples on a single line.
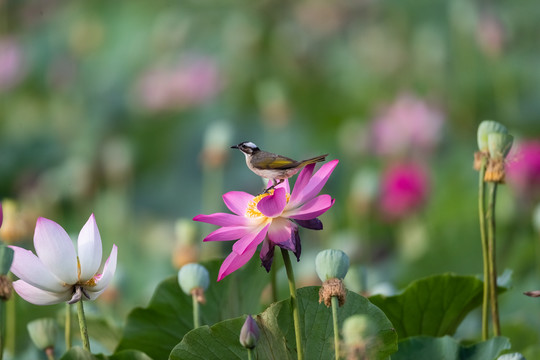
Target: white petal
[(108, 271), (28, 267), (55, 250), (89, 249), (94, 294), (40, 297)]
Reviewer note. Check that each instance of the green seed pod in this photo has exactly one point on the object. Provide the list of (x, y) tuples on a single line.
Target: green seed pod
[(250, 333), (42, 332), (331, 264), (485, 128), (193, 276), (499, 144), (536, 218)]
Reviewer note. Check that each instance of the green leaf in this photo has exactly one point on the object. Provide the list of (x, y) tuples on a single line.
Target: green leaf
[(277, 339), (433, 306), (78, 353), (6, 258), (446, 348), (156, 329)]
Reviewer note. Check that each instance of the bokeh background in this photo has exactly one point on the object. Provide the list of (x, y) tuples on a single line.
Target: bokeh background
[(127, 109)]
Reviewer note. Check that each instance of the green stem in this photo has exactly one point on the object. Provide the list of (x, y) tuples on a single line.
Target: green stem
[(67, 330), (294, 303), (493, 261), (335, 306), (273, 283), (482, 219), (2, 326), (250, 354), (196, 316), (82, 325), (50, 353), (11, 324)]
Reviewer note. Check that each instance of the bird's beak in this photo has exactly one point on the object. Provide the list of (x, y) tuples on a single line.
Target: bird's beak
[(234, 147)]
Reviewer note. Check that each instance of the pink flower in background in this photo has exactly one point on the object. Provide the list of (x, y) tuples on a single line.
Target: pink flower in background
[(271, 218), (404, 190), (191, 82), (523, 169), (10, 63), (409, 124), (60, 273)]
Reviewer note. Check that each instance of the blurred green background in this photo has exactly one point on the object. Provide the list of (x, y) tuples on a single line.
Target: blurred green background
[(127, 109)]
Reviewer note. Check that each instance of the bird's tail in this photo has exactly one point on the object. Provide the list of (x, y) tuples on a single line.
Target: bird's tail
[(313, 160)]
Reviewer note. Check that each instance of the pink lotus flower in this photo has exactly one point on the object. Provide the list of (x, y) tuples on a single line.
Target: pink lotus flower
[(404, 189), (523, 171), (59, 273), (408, 124), (271, 218)]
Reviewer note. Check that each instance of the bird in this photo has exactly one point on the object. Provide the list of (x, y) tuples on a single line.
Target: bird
[(273, 166)]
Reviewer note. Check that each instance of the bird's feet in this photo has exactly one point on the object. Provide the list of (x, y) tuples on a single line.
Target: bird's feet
[(272, 187)]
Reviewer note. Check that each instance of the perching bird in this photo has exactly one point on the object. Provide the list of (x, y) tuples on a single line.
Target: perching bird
[(272, 166)]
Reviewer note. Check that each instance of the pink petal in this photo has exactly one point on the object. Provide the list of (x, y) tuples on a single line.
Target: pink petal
[(237, 201), (89, 249), (108, 271), (227, 233), (315, 184), (301, 181), (234, 262), (222, 219), (55, 249), (29, 268), (280, 230), (252, 239), (284, 184), (312, 209), (38, 296), (273, 205)]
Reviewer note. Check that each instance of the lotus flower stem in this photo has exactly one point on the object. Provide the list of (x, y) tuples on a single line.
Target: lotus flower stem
[(11, 324), (336, 328), (196, 312), (67, 333), (294, 303), (250, 354), (482, 219), (493, 260), (82, 325)]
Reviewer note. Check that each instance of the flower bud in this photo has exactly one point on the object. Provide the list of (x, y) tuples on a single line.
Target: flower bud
[(331, 263), (193, 276), (499, 144), (6, 258), (42, 332), (249, 335), (485, 128)]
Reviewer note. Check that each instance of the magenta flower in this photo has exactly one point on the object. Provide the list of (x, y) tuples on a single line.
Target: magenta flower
[(271, 218), (59, 273), (11, 69), (404, 189), (408, 124), (523, 170)]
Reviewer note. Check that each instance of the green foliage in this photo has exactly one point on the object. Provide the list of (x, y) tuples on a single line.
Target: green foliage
[(157, 328), (446, 348), (78, 353), (433, 306), (277, 339)]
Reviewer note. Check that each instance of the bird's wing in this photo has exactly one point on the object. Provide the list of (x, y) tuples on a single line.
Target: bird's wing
[(277, 162)]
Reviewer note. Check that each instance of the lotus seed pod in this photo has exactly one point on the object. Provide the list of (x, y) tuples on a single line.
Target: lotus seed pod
[(249, 335), (193, 276), (42, 332), (499, 144), (485, 128), (331, 264)]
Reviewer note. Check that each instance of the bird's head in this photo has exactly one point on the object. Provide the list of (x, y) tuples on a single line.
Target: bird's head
[(247, 147)]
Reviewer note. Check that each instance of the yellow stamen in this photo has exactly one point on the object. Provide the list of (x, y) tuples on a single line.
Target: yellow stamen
[(252, 211)]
